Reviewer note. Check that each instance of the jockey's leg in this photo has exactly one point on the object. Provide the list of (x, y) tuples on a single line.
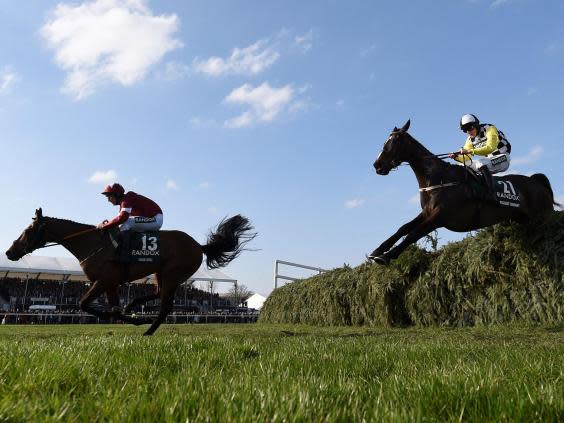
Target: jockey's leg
[(487, 176), (483, 167), (144, 224), (135, 224), (124, 246)]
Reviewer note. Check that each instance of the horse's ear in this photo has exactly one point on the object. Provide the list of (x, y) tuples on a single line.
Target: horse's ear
[(39, 213), (406, 126), (395, 129)]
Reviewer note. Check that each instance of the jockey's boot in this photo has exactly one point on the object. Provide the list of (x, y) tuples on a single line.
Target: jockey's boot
[(124, 249), (489, 194)]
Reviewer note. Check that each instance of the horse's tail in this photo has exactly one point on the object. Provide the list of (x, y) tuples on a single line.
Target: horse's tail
[(227, 242), (543, 180)]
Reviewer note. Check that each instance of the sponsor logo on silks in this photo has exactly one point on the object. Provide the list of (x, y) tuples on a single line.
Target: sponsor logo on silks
[(141, 219), (498, 160)]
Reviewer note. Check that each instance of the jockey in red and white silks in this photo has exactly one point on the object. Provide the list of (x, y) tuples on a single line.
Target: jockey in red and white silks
[(136, 212)]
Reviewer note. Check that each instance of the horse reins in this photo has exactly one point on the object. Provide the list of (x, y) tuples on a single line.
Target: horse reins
[(438, 156), (69, 237)]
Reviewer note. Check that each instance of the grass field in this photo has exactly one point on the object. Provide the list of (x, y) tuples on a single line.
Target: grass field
[(281, 373)]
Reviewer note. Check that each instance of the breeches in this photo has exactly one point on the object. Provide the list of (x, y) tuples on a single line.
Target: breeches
[(495, 164), (142, 224)]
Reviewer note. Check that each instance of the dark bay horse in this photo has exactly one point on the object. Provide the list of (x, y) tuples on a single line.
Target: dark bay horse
[(444, 195), (181, 257)]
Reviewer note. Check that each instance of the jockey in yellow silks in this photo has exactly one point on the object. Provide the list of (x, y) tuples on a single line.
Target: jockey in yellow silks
[(486, 141)]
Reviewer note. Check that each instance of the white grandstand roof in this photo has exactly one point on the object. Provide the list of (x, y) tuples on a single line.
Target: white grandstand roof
[(68, 268)]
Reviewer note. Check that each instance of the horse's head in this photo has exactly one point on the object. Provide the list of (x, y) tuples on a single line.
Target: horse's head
[(394, 151), (32, 237)]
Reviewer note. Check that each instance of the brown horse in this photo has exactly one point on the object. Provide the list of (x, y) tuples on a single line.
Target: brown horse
[(180, 256), (444, 195)]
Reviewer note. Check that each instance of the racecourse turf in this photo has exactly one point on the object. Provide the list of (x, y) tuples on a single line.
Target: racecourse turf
[(274, 373)]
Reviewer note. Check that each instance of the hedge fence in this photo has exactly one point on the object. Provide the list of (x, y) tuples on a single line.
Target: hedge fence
[(505, 273)]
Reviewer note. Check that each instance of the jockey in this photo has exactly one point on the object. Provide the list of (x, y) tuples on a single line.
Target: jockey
[(487, 141), (136, 212)]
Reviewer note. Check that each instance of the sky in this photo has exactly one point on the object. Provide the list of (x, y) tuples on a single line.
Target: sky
[(272, 109)]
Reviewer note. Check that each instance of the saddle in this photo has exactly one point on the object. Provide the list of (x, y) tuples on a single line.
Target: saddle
[(504, 192), (136, 247)]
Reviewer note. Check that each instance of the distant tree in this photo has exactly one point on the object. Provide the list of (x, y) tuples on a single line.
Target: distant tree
[(238, 293)]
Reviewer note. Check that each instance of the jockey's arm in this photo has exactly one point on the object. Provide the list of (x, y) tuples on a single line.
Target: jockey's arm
[(118, 220), (468, 147)]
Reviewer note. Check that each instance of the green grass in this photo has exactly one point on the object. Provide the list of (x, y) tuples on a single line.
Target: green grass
[(281, 373)]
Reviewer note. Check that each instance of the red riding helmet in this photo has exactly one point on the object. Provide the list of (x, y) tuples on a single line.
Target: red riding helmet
[(115, 189)]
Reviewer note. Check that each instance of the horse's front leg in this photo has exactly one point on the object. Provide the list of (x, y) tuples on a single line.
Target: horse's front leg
[(402, 231), (98, 289), (94, 292), (140, 300), (429, 224)]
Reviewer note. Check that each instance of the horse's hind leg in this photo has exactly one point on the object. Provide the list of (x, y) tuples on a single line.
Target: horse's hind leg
[(140, 300), (167, 301), (145, 298)]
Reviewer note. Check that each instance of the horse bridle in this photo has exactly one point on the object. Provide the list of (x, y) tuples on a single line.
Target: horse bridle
[(37, 243), (394, 163)]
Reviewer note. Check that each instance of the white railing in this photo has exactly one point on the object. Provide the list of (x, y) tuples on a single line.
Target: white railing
[(277, 275)]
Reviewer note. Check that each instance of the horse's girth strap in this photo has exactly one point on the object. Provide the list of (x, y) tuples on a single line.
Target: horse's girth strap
[(432, 187)]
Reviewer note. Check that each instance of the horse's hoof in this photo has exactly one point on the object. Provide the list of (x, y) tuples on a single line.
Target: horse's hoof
[(380, 260)]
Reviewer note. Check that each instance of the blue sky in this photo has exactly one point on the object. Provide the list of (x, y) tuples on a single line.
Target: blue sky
[(275, 110)]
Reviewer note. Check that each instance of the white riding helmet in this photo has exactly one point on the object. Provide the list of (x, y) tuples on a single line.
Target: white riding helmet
[(469, 121)]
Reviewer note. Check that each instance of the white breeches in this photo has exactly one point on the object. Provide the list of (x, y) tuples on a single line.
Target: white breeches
[(142, 224), (495, 164)]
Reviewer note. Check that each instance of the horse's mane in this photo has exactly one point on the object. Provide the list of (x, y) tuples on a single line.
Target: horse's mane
[(427, 154), (68, 221)]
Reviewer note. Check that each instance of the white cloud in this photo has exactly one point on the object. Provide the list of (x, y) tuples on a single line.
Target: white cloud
[(304, 42), (354, 203), (367, 51), (498, 3), (532, 91), (202, 122), (171, 185), (105, 41), (174, 71), (532, 156), (250, 60), (8, 78), (104, 177), (204, 185), (265, 102)]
